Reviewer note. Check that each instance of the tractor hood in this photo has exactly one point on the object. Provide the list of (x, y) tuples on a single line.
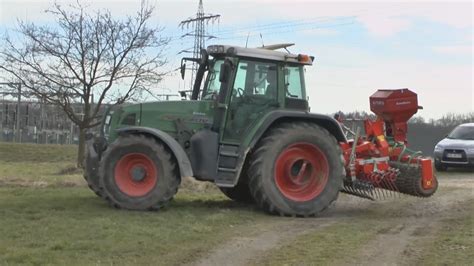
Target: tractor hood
[(167, 115)]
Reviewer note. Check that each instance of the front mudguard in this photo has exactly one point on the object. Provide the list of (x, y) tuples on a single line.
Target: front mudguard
[(94, 149)]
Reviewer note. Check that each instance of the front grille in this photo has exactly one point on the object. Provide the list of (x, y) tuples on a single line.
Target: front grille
[(462, 159)]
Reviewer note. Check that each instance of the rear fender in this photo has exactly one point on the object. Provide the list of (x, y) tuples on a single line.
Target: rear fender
[(280, 116), (184, 164)]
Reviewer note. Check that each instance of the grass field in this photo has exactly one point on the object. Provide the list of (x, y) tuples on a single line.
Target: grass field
[(49, 216)]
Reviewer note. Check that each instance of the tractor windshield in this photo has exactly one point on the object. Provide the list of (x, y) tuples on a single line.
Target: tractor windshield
[(213, 84)]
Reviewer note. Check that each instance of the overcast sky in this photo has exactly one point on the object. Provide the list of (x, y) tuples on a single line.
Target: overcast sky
[(359, 46)]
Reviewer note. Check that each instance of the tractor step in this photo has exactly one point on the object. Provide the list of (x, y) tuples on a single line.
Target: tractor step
[(227, 171)]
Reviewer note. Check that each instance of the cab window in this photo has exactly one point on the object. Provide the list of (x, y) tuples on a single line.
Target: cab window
[(256, 78), (294, 82), (213, 84)]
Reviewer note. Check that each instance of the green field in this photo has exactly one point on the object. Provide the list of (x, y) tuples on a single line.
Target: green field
[(49, 216)]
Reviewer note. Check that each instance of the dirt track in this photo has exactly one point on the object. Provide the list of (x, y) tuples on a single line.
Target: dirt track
[(408, 219)]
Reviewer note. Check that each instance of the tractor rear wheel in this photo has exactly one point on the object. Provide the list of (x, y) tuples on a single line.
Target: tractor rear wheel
[(296, 170), (138, 173), (240, 193)]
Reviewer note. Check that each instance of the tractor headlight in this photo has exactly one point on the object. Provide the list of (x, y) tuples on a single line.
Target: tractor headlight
[(106, 123)]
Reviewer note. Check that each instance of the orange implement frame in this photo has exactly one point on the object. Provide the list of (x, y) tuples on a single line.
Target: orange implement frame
[(427, 173)]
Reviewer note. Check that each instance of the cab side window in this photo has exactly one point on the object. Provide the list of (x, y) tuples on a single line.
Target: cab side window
[(294, 82)]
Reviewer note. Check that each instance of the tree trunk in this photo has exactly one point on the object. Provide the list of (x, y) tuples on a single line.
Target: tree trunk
[(81, 149)]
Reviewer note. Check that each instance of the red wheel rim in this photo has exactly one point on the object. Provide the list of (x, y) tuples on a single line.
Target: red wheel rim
[(301, 172), (135, 174)]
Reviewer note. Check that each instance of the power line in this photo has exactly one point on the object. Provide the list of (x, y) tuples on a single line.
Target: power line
[(275, 28), (275, 32), (286, 24)]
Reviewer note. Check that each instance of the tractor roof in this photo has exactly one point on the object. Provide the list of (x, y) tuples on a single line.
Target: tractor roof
[(260, 53)]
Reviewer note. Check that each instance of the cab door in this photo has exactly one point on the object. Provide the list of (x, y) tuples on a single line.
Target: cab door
[(253, 94)]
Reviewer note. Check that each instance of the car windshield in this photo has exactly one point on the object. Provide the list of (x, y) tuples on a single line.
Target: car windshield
[(213, 84), (462, 132)]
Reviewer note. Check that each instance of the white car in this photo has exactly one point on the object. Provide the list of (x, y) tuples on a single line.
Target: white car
[(457, 149)]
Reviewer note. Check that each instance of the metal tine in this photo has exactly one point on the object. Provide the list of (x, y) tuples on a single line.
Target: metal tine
[(363, 189), (379, 192), (360, 188), (392, 188), (391, 182), (365, 192), (372, 189), (387, 186), (366, 188), (355, 187), (376, 192), (383, 191), (369, 189), (347, 188), (395, 188)]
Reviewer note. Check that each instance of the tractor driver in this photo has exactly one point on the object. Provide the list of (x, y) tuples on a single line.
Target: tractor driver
[(272, 87)]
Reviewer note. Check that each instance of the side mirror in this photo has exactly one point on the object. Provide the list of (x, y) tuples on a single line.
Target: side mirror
[(204, 57), (183, 69), (225, 72)]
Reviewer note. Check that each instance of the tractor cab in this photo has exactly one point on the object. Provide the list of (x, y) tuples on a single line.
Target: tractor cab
[(247, 83)]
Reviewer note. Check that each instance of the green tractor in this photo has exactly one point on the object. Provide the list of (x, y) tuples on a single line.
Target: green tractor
[(247, 128)]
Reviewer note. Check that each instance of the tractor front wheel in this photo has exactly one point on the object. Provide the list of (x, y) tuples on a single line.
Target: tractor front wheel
[(296, 170), (138, 173)]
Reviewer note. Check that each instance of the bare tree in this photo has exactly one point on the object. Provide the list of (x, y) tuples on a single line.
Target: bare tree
[(85, 55)]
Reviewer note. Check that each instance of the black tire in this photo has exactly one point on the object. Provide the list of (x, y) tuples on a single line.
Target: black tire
[(92, 185), (263, 175), (239, 193), (156, 156), (91, 178), (441, 167)]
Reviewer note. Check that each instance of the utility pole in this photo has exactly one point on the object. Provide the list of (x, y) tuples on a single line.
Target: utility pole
[(199, 32)]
